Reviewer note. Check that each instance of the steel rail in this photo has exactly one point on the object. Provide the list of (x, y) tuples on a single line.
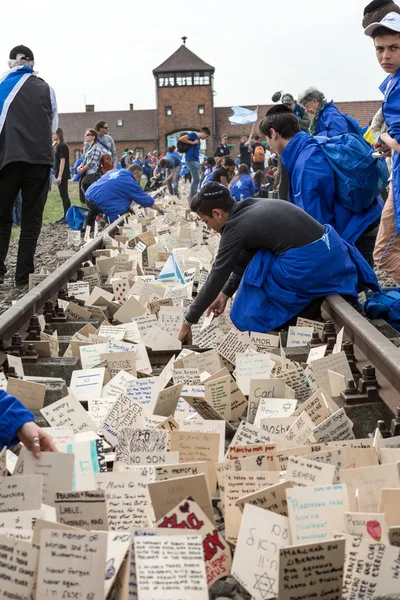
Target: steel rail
[(376, 348), (15, 317)]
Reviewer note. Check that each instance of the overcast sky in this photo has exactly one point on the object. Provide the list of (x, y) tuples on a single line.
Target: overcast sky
[(105, 51)]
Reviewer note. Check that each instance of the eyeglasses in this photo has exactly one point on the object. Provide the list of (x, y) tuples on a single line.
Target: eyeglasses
[(88, 134)]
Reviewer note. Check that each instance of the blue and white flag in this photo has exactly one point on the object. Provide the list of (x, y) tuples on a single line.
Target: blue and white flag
[(171, 271), (10, 83), (243, 116)]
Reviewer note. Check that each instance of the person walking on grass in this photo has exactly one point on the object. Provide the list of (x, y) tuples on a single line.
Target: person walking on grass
[(61, 170), (28, 117), (192, 139)]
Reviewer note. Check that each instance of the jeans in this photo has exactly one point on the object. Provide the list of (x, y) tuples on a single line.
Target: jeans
[(17, 211), (194, 169), (173, 183), (33, 181), (63, 191)]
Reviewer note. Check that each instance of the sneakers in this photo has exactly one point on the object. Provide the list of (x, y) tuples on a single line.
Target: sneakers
[(61, 221)]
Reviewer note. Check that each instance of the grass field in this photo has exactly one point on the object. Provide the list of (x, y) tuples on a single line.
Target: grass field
[(53, 209)]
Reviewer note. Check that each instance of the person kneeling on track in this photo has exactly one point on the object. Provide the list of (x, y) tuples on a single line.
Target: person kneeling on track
[(278, 259), (17, 424), (114, 193)]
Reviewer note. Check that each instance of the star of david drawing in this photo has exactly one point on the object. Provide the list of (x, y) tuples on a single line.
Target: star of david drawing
[(264, 585)]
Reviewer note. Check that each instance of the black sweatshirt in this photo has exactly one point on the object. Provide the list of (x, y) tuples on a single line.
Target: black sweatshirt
[(253, 224)]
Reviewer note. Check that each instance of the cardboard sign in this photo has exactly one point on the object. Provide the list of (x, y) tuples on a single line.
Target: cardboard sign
[(272, 498), (86, 509), (168, 567), (18, 568), (255, 565), (315, 513), (56, 469), (165, 495), (372, 527), (312, 571), (74, 556), (252, 366), (124, 413), (127, 499), (217, 555), (309, 473), (132, 441), (30, 394), (22, 492)]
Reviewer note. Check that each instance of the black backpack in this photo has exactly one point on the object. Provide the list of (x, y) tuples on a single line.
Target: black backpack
[(181, 146)]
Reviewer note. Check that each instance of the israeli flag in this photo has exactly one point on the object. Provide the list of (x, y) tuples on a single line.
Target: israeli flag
[(243, 116), (10, 84), (171, 271)]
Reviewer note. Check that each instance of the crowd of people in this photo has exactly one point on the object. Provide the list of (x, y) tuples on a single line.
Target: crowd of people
[(286, 155)]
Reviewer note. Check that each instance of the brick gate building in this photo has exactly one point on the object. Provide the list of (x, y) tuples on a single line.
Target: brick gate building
[(185, 102)]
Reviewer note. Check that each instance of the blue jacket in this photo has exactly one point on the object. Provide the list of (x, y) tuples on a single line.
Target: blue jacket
[(13, 416), (391, 112), (114, 192), (277, 287), (243, 187), (312, 188), (332, 122)]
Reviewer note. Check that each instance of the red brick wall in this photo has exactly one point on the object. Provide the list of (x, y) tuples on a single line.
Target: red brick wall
[(184, 102)]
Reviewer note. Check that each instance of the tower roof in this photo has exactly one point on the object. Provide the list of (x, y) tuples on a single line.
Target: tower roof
[(183, 59)]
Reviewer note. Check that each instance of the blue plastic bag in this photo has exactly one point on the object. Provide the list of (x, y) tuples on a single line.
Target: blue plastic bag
[(75, 217)]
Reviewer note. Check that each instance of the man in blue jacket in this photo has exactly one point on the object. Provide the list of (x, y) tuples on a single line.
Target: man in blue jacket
[(327, 119), (17, 424), (312, 181), (114, 193)]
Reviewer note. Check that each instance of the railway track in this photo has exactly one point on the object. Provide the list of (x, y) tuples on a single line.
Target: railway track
[(371, 346)]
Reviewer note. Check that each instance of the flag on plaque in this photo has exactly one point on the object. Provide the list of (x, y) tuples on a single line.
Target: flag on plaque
[(243, 116)]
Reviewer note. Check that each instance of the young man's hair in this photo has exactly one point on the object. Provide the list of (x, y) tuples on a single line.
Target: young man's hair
[(135, 168), (218, 161), (244, 135), (243, 170), (99, 125), (210, 161), (257, 138), (377, 10), (311, 93), (224, 135), (171, 148), (205, 130), (228, 161), (382, 31), (286, 124), (163, 162), (60, 134), (212, 195)]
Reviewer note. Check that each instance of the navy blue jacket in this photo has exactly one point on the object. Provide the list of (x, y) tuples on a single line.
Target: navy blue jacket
[(13, 416), (312, 188), (114, 192)]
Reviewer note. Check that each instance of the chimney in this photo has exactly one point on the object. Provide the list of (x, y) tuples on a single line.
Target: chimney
[(131, 107), (89, 107)]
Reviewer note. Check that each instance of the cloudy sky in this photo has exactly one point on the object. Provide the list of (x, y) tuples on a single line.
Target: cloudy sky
[(104, 52)]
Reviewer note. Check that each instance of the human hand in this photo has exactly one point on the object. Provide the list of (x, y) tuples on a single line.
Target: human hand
[(196, 142), (219, 305), (35, 439), (382, 148), (58, 180), (185, 333)]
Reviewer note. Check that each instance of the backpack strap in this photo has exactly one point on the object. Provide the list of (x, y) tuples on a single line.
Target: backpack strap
[(103, 144)]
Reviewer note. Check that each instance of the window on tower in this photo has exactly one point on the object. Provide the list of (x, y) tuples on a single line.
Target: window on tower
[(201, 78), (202, 109), (168, 111)]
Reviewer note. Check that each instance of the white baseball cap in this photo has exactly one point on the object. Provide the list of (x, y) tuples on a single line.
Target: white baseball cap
[(391, 21)]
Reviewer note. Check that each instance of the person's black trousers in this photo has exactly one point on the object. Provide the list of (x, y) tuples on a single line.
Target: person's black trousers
[(63, 191), (94, 211), (33, 181)]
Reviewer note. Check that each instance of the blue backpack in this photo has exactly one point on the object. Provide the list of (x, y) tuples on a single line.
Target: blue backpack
[(75, 217), (384, 306), (359, 177), (354, 125)]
